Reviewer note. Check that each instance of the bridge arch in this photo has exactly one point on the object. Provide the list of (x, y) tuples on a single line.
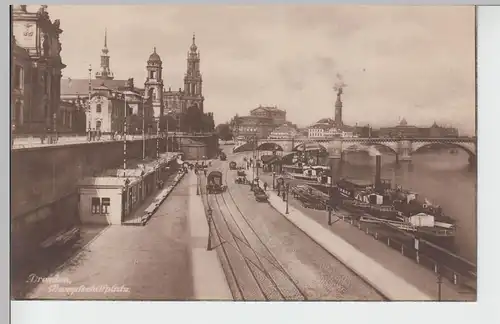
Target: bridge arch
[(309, 146), (269, 146), (245, 147), (387, 146), (371, 148), (467, 147)]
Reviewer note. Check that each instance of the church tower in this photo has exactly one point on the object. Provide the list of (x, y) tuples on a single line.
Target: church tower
[(154, 83), (105, 73), (192, 80)]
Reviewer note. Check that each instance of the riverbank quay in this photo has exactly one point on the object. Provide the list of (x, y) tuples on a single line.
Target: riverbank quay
[(424, 279)]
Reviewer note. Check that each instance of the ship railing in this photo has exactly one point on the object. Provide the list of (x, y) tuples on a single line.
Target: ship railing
[(450, 266)]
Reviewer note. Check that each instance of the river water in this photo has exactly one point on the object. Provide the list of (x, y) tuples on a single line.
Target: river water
[(445, 179)]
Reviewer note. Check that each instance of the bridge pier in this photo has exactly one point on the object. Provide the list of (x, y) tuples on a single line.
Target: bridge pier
[(335, 159), (472, 160)]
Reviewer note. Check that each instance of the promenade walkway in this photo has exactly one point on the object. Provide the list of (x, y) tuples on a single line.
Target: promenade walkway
[(28, 141), (35, 141), (130, 262)]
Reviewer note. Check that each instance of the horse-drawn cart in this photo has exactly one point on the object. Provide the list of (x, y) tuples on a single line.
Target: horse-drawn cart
[(260, 195)]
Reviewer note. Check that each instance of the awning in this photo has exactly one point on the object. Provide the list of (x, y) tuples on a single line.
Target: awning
[(267, 159)]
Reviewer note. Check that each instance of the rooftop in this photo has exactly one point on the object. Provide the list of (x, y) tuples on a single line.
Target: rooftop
[(136, 168)]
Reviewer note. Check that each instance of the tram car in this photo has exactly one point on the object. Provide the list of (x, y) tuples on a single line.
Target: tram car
[(223, 156), (214, 183), (232, 165)]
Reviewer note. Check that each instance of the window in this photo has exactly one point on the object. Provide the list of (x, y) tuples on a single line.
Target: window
[(98, 108), (96, 205), (106, 202)]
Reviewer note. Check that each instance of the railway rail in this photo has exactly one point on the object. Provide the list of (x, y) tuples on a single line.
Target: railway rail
[(260, 275)]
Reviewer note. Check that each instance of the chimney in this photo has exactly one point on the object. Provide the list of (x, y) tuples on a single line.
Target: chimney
[(378, 167)]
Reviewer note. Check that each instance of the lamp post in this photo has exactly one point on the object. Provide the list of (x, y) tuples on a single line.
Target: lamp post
[(274, 176), (198, 184), (209, 214), (439, 282), (54, 128), (125, 133), (89, 108), (158, 137), (287, 190), (168, 115), (144, 98)]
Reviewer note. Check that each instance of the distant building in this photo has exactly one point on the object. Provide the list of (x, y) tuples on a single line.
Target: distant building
[(277, 115), (249, 126), (318, 130), (36, 71), (405, 130), (440, 131), (283, 132)]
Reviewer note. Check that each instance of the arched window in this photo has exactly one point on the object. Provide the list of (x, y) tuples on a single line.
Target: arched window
[(98, 125), (98, 108)]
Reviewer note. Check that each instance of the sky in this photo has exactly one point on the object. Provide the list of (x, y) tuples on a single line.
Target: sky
[(411, 62)]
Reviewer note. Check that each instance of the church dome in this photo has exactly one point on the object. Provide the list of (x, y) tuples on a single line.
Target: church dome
[(154, 57)]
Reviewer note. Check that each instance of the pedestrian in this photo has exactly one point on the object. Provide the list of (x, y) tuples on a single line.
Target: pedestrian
[(265, 186)]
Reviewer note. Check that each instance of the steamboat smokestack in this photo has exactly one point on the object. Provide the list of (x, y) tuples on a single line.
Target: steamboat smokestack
[(378, 167)]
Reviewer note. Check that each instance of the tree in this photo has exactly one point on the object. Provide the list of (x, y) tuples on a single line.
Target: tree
[(208, 124), (234, 124), (224, 132), (172, 123), (194, 119)]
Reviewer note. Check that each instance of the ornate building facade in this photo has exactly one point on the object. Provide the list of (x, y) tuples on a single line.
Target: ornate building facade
[(36, 71), (147, 107), (277, 115), (101, 100)]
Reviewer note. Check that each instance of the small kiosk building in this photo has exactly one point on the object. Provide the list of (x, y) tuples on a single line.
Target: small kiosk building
[(113, 195)]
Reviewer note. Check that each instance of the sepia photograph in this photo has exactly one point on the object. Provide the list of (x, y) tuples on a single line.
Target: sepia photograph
[(243, 152)]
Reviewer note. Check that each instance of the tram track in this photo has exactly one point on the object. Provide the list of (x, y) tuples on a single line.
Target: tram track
[(269, 259), (261, 277)]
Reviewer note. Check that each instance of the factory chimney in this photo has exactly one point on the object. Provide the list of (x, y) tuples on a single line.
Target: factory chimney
[(378, 167)]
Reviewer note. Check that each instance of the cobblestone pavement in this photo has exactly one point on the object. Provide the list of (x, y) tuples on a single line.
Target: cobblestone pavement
[(279, 252), (128, 262), (421, 277)]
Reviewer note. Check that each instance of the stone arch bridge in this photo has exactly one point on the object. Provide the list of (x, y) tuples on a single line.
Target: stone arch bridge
[(402, 148)]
